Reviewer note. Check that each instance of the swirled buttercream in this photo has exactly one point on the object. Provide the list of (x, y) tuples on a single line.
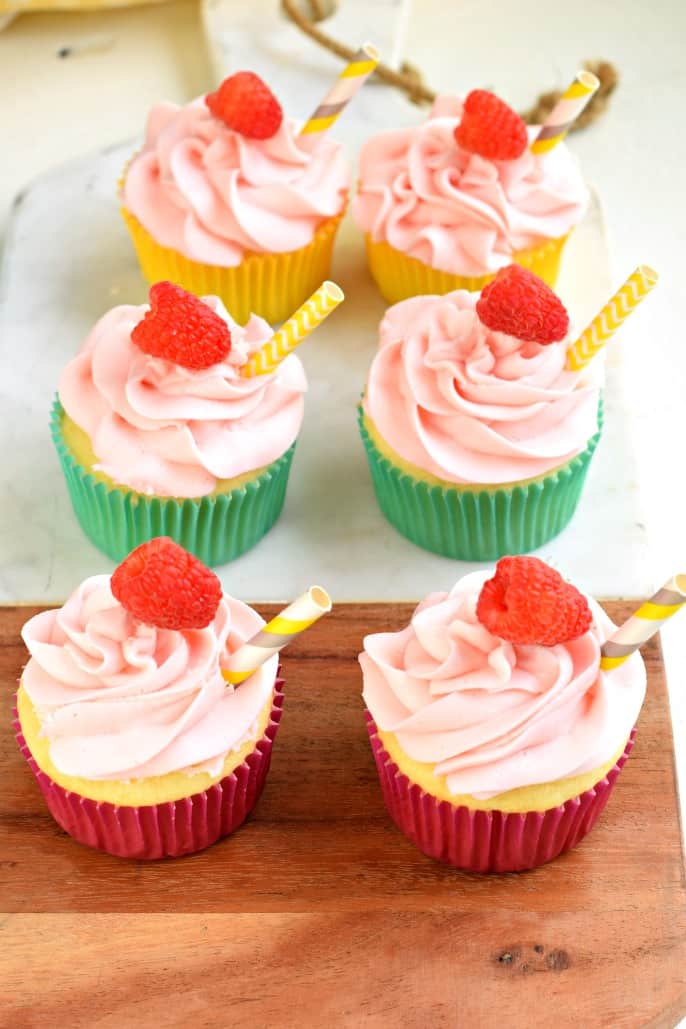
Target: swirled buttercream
[(457, 211), (469, 405), (210, 193), (121, 700), (491, 716), (169, 431)]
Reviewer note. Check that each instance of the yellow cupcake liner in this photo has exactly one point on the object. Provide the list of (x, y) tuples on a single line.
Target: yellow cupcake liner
[(399, 276), (271, 285)]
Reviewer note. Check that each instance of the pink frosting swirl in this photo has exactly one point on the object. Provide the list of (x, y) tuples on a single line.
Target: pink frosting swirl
[(210, 193), (170, 431), (470, 405), (121, 700), (456, 211), (491, 716)]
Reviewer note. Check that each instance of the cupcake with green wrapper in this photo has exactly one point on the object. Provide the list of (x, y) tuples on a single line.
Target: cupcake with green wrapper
[(478, 434), (175, 420)]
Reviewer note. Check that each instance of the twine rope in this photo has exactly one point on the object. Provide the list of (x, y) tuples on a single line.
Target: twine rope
[(410, 80)]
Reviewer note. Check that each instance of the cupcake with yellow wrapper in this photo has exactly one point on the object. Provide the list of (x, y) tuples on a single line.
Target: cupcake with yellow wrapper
[(478, 435), (140, 746), (445, 204), (229, 197), (496, 731), (161, 431)]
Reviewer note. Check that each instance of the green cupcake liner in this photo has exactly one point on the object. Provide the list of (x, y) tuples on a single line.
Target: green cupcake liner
[(478, 525), (216, 529)]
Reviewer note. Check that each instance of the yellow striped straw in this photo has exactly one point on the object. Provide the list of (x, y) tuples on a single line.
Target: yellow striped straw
[(606, 322), (291, 334), (565, 112), (275, 635), (343, 90), (644, 623)]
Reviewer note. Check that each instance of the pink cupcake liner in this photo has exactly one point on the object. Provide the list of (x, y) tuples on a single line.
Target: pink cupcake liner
[(487, 841), (171, 829)]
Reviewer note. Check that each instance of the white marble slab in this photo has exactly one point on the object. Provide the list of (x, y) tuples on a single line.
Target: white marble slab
[(68, 258)]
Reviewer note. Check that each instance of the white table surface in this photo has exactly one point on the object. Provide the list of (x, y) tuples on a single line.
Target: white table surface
[(635, 156)]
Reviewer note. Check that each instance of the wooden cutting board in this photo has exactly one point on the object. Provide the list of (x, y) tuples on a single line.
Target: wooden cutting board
[(320, 913)]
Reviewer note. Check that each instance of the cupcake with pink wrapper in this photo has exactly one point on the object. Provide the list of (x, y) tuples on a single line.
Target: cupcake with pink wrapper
[(230, 197), (141, 745), (175, 420), (444, 205), (502, 715), (480, 416)]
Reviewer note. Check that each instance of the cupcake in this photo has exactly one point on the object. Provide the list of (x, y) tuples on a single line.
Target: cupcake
[(226, 198), (446, 204), (478, 436), (496, 736), (159, 433), (139, 745)]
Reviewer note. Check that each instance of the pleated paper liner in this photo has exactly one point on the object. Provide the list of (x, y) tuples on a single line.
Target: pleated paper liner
[(399, 277), (271, 285), (474, 524), (172, 829), (488, 841), (216, 529)]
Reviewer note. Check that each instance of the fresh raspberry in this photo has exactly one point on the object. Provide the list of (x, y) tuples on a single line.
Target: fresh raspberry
[(182, 328), (519, 303), (527, 601), (246, 104), (490, 128), (161, 584)]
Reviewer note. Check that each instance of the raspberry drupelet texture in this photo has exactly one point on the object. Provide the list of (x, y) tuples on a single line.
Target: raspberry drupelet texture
[(163, 585), (490, 128), (182, 328), (528, 602), (246, 104), (520, 304)]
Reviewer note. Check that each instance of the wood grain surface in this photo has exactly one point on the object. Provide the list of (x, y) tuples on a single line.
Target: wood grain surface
[(318, 912)]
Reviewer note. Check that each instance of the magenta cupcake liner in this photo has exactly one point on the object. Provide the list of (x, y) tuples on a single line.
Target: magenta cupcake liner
[(164, 830), (487, 841)]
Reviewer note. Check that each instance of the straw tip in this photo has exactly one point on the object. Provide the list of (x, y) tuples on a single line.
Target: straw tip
[(588, 79), (679, 583), (370, 52), (333, 291), (648, 274), (320, 598)]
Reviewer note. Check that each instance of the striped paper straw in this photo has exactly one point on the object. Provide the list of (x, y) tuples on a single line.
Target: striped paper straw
[(606, 322), (312, 313), (644, 623), (275, 635), (344, 89), (565, 112)]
